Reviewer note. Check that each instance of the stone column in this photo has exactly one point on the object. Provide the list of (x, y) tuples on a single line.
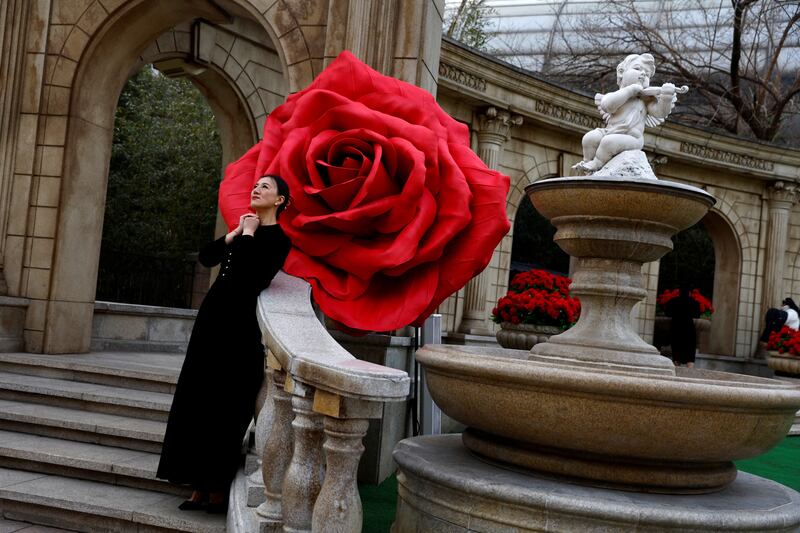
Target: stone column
[(781, 196), (404, 37), (493, 131), (13, 37)]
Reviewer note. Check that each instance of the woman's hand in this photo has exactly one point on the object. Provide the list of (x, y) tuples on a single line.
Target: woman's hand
[(240, 228), (250, 224)]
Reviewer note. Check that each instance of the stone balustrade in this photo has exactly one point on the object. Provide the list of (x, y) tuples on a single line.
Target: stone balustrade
[(321, 402)]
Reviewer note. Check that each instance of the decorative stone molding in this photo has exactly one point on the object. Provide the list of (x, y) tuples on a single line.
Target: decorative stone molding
[(462, 77), (741, 160), (567, 115), (494, 125), (782, 192)]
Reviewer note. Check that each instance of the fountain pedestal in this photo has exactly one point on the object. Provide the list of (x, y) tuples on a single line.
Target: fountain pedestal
[(596, 408), (442, 487)]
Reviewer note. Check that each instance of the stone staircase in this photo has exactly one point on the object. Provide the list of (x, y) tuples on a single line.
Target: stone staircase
[(79, 442)]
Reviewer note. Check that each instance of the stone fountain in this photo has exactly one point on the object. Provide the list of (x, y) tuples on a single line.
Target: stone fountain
[(594, 429)]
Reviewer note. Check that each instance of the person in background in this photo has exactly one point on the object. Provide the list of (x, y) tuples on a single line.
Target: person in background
[(792, 314), (683, 310)]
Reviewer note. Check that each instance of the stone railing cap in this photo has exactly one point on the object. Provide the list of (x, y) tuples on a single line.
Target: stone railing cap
[(308, 352)]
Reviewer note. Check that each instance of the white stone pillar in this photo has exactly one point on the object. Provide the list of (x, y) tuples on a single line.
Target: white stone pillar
[(493, 131), (781, 197)]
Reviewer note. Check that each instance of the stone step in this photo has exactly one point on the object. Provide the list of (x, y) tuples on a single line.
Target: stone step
[(116, 466), (91, 506), (156, 372), (85, 396), (12, 526), (795, 429), (82, 426)]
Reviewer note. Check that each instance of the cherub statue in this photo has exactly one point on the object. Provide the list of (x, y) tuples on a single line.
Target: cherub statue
[(627, 111)]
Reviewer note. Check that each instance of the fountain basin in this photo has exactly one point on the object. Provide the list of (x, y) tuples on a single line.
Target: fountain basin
[(645, 432)]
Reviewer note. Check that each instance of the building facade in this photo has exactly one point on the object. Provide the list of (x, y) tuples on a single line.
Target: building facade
[(65, 62)]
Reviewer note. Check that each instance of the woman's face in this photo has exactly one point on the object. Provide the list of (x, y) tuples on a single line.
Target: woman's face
[(265, 194)]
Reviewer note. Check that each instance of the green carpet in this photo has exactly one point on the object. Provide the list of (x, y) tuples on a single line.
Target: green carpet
[(380, 504), (781, 464)]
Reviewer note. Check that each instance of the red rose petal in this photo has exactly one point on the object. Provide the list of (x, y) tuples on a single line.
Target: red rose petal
[(391, 210)]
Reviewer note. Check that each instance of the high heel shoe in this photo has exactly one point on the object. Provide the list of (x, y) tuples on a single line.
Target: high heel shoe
[(191, 505)]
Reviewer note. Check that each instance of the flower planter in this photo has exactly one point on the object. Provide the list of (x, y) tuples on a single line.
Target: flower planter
[(523, 336), (788, 364)]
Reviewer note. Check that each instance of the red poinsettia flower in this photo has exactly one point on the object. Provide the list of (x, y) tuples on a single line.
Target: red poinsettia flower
[(538, 297), (706, 309), (391, 210), (786, 341)]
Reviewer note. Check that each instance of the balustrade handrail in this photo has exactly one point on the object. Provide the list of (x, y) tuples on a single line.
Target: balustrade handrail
[(321, 401), (308, 353)]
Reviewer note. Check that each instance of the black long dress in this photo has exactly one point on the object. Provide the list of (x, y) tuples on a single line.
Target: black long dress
[(683, 336), (224, 367)]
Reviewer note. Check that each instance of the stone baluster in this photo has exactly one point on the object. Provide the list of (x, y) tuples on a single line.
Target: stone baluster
[(338, 508), (277, 452), (781, 197), (494, 127), (264, 419), (303, 479)]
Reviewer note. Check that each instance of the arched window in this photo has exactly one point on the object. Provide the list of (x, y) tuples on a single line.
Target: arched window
[(691, 261), (533, 245)]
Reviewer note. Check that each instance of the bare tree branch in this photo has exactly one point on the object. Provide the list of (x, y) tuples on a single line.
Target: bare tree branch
[(731, 54)]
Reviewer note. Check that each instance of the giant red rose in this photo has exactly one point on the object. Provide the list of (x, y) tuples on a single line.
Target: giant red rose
[(391, 211)]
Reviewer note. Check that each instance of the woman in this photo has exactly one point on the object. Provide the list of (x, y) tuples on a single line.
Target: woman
[(224, 366), (683, 337)]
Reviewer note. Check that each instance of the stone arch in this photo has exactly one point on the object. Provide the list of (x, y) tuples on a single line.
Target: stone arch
[(732, 233), (500, 265), (727, 274), (99, 52), (539, 170)]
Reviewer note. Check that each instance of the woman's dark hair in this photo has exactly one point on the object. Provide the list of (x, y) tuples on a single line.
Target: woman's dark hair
[(283, 190), (789, 302)]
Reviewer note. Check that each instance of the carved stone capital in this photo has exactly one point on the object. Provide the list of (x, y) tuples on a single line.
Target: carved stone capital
[(782, 194), (494, 125)]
